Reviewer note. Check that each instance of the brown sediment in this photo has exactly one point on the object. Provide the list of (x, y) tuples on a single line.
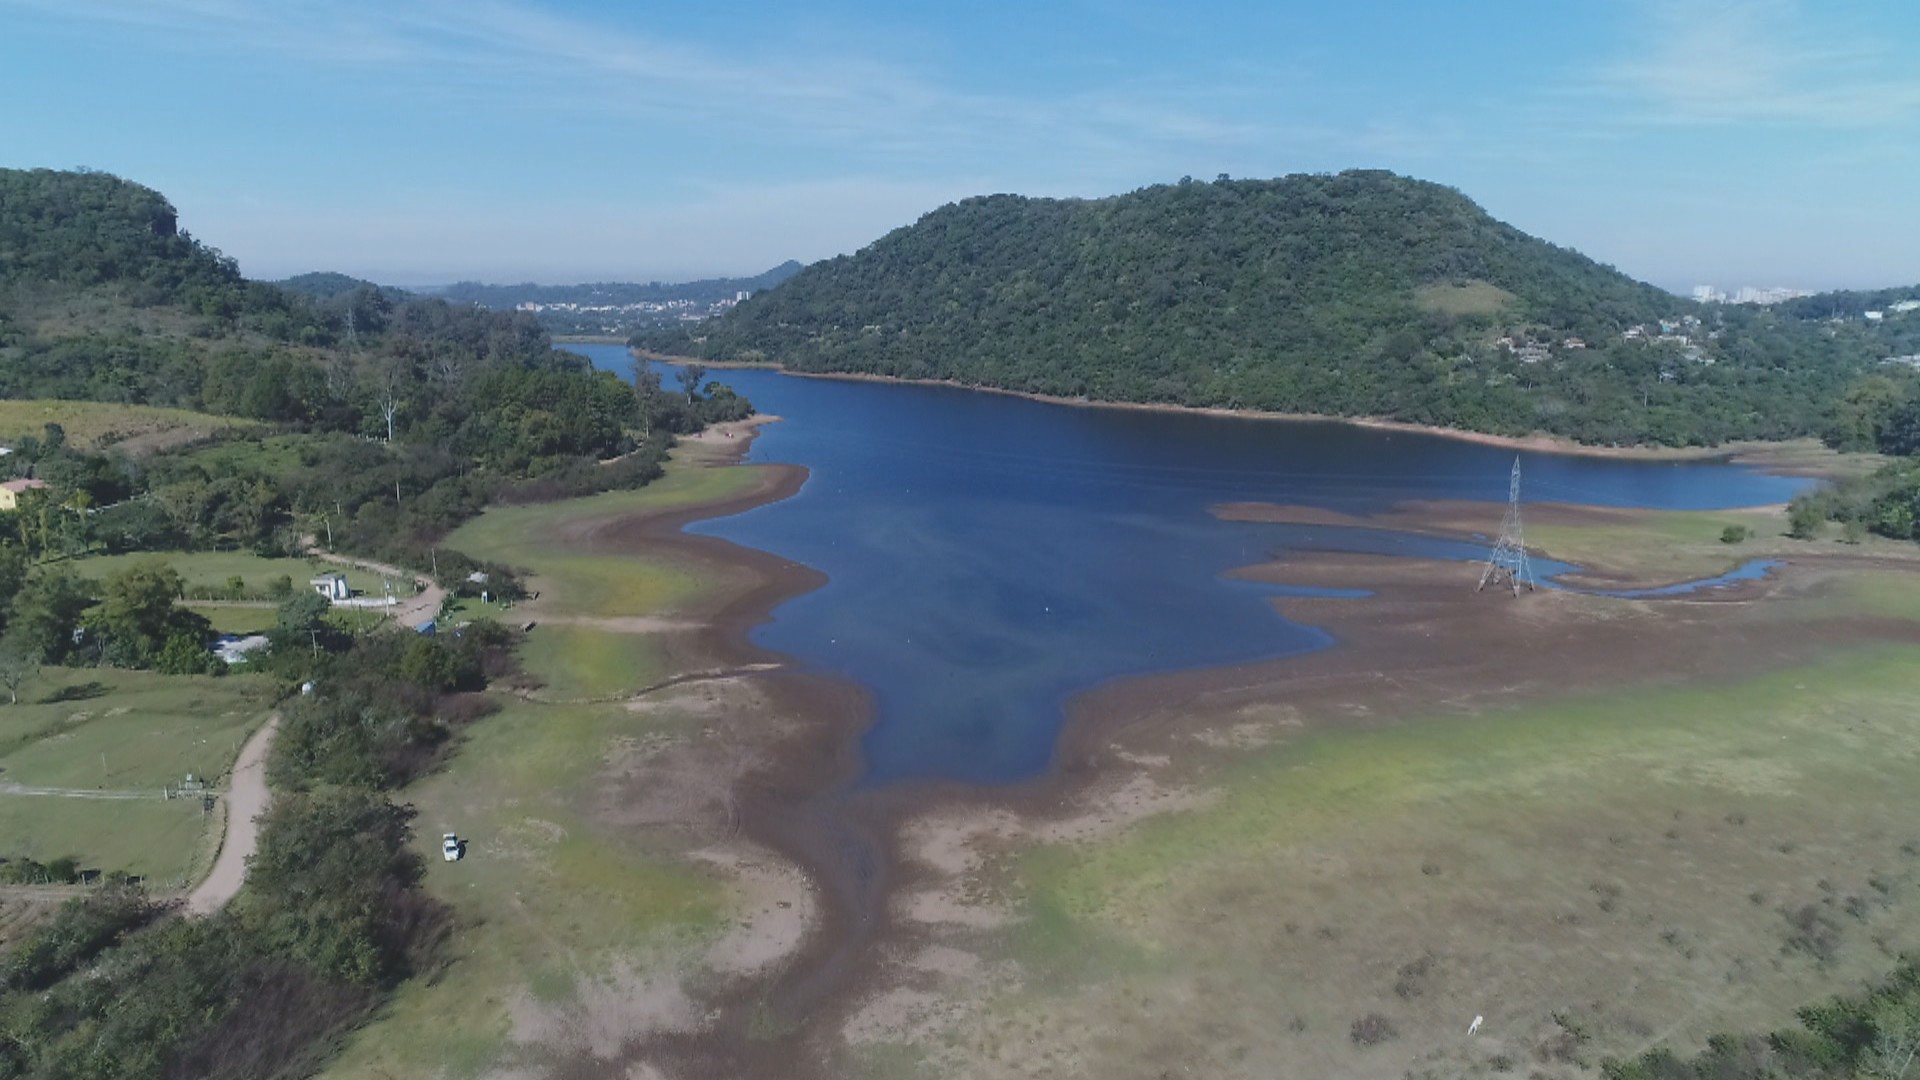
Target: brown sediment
[(1422, 643)]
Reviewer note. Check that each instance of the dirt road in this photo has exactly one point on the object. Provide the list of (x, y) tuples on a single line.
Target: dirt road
[(246, 801), (411, 612)]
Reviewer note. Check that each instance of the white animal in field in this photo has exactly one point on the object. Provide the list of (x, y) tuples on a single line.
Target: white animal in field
[(1475, 1026)]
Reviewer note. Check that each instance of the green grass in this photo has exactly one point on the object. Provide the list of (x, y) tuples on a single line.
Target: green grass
[(579, 662), (168, 842), (150, 729), (547, 896), (612, 584), (206, 572), (274, 456), (1626, 858), (1778, 726), (1681, 544), (1471, 298), (142, 732), (1889, 594), (238, 620), (551, 895), (90, 423)]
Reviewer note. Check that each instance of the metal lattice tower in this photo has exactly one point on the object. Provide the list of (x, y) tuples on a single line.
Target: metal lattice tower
[(1507, 563)]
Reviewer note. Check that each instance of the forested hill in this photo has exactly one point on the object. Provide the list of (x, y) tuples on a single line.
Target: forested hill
[(417, 409), (1363, 293)]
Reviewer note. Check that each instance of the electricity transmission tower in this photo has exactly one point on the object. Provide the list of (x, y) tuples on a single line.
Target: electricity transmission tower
[(1507, 563)]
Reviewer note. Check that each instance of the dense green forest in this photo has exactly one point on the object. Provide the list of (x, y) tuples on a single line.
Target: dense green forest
[(1362, 293)]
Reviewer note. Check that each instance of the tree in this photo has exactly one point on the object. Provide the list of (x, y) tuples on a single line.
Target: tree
[(1805, 519), (13, 573), (47, 611), (303, 613), (647, 393), (18, 665), (690, 378), (389, 398), (138, 618)]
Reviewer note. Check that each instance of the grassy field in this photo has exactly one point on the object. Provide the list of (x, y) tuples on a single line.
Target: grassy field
[(1683, 544), (1594, 876), (251, 619), (207, 572), (563, 912), (91, 424), (134, 732), (167, 842), (1472, 298)]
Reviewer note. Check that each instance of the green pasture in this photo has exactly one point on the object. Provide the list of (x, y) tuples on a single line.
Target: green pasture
[(548, 899), (167, 841), (551, 901), (238, 619), (1681, 544), (136, 730), (580, 662), (92, 423), (1831, 730), (206, 573), (123, 731), (1631, 861), (574, 582)]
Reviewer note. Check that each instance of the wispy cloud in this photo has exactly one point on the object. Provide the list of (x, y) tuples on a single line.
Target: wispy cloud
[(507, 53), (1703, 62)]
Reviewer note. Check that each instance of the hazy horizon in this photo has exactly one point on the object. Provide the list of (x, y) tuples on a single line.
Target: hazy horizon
[(1683, 141)]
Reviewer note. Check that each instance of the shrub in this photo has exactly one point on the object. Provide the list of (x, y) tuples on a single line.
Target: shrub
[(1372, 1030), (1734, 534), (1805, 519)]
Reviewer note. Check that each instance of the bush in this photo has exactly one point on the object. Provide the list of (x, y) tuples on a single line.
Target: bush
[(80, 930), (1372, 1030), (1805, 519), (1734, 534)]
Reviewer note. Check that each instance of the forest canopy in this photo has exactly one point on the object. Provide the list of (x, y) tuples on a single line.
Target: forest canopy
[(1358, 294)]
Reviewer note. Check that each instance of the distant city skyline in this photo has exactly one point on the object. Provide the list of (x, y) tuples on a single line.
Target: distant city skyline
[(1682, 141)]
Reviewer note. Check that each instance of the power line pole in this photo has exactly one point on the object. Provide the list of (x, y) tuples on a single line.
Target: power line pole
[(1507, 563)]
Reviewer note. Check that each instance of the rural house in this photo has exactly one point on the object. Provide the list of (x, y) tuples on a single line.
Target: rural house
[(11, 491)]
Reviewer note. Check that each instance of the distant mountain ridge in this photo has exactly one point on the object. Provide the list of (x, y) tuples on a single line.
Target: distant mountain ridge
[(706, 290), (1362, 293)]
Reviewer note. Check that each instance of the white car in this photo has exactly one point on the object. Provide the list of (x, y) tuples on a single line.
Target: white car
[(450, 847)]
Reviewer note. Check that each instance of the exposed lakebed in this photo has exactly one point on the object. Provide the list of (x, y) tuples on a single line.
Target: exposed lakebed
[(990, 556)]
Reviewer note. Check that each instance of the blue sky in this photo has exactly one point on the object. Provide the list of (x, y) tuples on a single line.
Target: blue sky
[(420, 141)]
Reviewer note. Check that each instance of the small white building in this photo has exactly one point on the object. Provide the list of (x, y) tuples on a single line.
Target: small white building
[(331, 586)]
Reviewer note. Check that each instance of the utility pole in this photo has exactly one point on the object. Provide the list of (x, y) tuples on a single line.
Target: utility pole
[(1507, 562)]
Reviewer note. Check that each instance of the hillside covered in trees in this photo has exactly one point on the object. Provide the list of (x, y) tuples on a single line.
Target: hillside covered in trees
[(1357, 294), (384, 418)]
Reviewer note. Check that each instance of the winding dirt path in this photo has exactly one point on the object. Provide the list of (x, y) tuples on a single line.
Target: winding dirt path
[(411, 612), (247, 799)]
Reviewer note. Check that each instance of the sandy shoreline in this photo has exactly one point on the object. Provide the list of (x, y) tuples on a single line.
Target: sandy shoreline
[(1803, 457)]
